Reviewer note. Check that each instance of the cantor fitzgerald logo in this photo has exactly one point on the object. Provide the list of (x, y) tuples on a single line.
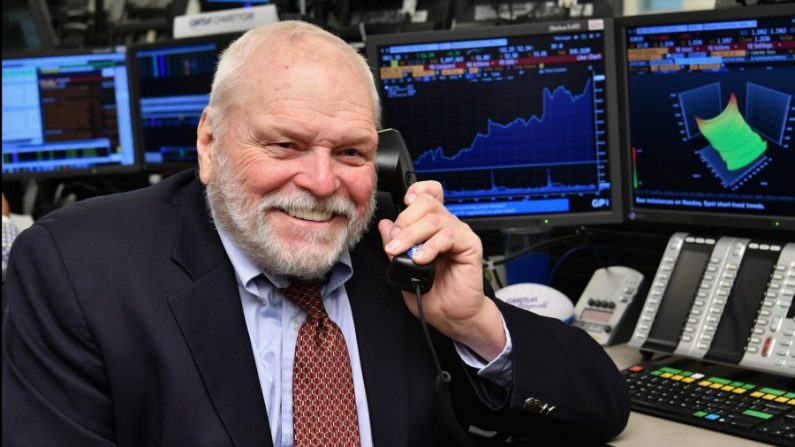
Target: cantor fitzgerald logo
[(244, 16)]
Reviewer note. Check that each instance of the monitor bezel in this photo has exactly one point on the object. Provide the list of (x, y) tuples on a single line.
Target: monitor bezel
[(636, 213), (541, 220), (225, 39), (97, 170)]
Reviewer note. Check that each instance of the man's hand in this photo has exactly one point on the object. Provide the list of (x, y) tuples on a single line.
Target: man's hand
[(456, 305)]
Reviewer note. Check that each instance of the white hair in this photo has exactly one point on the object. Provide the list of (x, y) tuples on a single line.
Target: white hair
[(227, 83)]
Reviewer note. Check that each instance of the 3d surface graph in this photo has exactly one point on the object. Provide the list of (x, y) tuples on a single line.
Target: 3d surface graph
[(731, 136)]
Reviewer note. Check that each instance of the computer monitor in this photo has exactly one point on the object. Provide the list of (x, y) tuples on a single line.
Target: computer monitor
[(709, 117), (516, 122), (67, 113), (172, 81)]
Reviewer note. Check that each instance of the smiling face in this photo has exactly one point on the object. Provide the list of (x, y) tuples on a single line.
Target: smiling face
[(292, 176)]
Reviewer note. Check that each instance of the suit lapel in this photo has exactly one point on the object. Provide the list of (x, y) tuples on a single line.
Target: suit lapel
[(211, 319), (380, 319)]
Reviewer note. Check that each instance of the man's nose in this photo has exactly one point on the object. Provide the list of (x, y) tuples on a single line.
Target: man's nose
[(318, 175)]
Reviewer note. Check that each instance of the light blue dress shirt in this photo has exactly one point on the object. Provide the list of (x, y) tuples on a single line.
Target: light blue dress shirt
[(273, 323)]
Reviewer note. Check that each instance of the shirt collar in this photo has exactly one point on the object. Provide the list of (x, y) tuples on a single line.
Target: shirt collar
[(247, 272)]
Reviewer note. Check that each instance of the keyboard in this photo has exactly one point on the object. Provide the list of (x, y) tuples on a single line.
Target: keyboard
[(759, 413)]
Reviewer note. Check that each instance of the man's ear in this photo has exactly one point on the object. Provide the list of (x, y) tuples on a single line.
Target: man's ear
[(205, 141)]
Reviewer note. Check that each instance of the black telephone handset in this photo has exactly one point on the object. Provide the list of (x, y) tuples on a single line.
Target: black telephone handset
[(395, 175)]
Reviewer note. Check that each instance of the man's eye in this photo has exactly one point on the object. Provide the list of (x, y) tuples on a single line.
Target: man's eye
[(286, 145), (351, 152)]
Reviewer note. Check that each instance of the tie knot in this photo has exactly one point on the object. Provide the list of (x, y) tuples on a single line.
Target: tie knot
[(306, 294)]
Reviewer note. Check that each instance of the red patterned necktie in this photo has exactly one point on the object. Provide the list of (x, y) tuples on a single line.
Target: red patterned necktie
[(324, 405)]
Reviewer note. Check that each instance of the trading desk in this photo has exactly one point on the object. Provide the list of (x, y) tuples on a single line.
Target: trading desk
[(650, 431)]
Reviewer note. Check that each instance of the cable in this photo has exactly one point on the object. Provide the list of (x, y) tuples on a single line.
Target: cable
[(497, 278), (531, 247), (613, 260), (444, 403), (437, 364), (560, 260), (588, 244), (491, 272)]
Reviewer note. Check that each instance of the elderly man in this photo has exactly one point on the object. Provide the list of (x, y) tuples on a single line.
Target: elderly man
[(249, 306)]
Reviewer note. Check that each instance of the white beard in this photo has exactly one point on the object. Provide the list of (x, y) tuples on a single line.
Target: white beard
[(249, 225)]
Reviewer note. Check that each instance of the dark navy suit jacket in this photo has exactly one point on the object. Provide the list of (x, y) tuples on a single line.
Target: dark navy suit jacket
[(125, 327)]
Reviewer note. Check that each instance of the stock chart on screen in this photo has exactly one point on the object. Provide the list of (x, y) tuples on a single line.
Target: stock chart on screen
[(173, 80), (511, 123), (67, 113)]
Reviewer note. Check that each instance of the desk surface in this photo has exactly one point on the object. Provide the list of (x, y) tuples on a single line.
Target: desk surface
[(649, 431)]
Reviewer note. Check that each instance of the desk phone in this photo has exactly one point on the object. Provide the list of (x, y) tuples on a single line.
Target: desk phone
[(726, 300), (607, 308)]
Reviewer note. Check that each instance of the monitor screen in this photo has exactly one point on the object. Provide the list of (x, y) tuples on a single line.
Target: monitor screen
[(67, 114), (172, 81), (516, 122), (710, 112)]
